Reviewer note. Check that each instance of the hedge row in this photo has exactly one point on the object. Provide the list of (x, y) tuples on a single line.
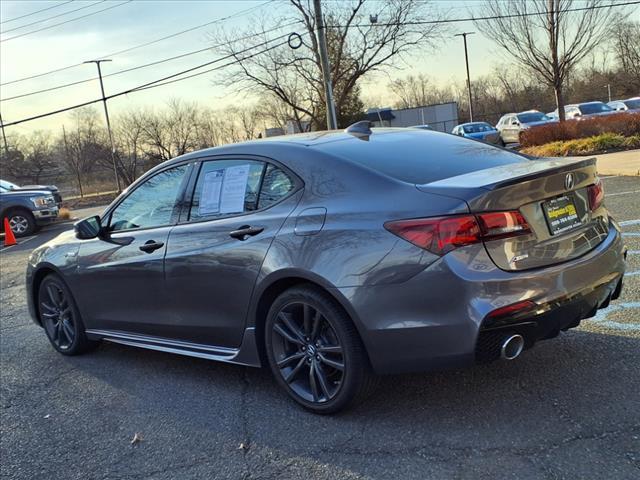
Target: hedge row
[(585, 146), (625, 124)]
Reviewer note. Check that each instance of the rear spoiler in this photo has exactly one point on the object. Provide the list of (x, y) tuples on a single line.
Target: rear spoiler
[(505, 175)]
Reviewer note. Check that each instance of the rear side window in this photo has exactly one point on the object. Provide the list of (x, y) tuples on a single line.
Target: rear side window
[(233, 187), (276, 185)]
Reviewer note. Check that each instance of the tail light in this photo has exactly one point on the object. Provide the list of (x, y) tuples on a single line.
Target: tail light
[(440, 235), (596, 195)]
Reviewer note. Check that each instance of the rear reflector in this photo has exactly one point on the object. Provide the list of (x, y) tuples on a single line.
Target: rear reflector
[(511, 310), (596, 195), (440, 235)]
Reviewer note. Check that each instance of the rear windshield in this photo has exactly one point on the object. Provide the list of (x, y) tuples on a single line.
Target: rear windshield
[(421, 156), (632, 103), (477, 128), (532, 117), (589, 108)]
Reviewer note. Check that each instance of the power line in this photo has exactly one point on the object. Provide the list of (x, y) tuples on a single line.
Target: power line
[(52, 17), (477, 19), (37, 11), (138, 67), (129, 49), (167, 79), (65, 22)]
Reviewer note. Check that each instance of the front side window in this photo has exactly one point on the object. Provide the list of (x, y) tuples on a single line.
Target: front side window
[(152, 204)]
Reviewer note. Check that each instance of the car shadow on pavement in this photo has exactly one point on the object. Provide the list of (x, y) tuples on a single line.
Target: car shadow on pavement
[(581, 369), (568, 406)]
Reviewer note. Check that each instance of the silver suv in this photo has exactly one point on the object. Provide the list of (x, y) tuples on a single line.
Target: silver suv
[(511, 125)]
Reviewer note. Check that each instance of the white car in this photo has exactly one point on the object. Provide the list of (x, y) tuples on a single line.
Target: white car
[(628, 105)]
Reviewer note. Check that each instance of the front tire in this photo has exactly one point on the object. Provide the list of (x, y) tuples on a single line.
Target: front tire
[(60, 318), (315, 352), (22, 222)]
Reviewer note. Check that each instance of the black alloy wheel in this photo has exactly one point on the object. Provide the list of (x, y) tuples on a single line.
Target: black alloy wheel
[(315, 352), (60, 318), (308, 352)]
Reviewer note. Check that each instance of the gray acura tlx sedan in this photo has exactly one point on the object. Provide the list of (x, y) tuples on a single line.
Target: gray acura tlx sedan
[(335, 256)]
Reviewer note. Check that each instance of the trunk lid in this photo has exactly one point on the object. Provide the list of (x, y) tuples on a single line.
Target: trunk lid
[(551, 194)]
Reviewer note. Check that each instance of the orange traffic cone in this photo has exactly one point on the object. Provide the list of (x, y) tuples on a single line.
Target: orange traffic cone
[(9, 238)]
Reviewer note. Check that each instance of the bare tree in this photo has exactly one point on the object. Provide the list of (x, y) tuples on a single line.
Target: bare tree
[(130, 142), (546, 37), (418, 90), (38, 155), (626, 48), (356, 48), (172, 132)]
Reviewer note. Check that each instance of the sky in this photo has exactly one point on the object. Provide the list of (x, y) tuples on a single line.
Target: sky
[(123, 24)]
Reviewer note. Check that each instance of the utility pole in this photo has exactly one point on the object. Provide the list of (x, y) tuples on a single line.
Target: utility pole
[(4, 138), (106, 114), (466, 59), (608, 85), (332, 122)]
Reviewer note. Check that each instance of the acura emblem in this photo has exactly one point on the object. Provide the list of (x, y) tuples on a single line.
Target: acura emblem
[(568, 181)]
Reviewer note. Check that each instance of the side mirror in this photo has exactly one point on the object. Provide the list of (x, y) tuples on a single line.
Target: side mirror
[(88, 228)]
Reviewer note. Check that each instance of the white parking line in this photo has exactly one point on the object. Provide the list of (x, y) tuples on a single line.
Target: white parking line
[(627, 223), (20, 242), (602, 315), (621, 193), (633, 252), (632, 274)]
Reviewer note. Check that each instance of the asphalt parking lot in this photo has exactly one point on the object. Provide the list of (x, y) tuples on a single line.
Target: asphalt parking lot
[(568, 408)]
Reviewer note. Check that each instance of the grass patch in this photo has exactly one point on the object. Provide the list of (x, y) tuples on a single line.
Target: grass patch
[(603, 143)]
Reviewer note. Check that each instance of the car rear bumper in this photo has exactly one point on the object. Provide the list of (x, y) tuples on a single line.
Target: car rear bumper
[(435, 319)]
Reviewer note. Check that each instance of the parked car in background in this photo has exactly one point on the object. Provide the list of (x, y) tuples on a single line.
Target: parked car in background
[(479, 131), (27, 210), (577, 111), (628, 105), (6, 186), (329, 256), (422, 127), (511, 125)]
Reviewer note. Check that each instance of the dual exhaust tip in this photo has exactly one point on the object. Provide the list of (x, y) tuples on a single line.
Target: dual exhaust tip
[(511, 347)]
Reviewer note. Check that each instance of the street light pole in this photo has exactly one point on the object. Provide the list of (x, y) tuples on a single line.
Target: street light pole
[(609, 90), (466, 59), (106, 114), (332, 122)]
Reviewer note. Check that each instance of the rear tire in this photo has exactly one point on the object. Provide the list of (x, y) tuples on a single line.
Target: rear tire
[(21, 221), (60, 318), (315, 352)]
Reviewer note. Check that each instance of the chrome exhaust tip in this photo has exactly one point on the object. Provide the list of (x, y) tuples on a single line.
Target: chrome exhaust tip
[(512, 347)]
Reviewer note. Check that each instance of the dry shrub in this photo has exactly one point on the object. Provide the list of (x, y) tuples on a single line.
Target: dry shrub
[(585, 146), (625, 124), (64, 214)]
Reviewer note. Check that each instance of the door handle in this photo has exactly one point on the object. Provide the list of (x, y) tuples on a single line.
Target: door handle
[(245, 231), (151, 245)]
